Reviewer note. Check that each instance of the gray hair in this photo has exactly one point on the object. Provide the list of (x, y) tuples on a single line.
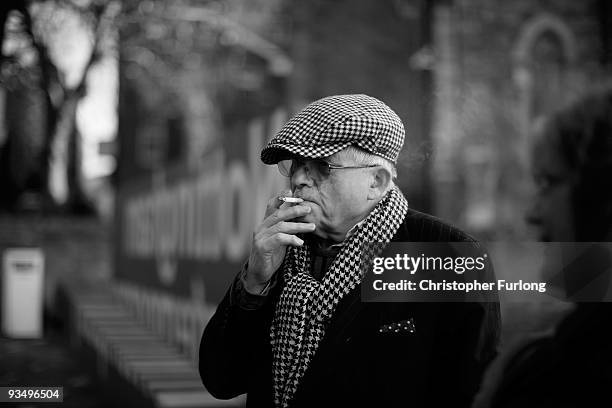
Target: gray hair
[(362, 157)]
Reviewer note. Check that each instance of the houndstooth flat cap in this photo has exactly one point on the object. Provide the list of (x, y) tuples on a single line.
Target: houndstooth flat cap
[(331, 124)]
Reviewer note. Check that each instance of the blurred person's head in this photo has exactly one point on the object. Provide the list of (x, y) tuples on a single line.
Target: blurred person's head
[(339, 154), (572, 169)]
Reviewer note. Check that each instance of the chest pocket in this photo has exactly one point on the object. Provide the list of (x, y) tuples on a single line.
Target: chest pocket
[(406, 326)]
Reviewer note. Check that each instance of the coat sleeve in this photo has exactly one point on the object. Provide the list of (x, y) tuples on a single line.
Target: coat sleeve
[(231, 343)]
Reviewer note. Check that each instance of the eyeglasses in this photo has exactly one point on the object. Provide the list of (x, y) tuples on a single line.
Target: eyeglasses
[(319, 167)]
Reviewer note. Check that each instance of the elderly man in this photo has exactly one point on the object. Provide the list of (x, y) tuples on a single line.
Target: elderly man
[(292, 330)]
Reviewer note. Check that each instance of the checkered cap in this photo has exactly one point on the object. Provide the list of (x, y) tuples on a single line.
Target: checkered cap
[(331, 124)]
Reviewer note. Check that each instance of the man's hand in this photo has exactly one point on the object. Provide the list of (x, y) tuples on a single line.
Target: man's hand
[(270, 241)]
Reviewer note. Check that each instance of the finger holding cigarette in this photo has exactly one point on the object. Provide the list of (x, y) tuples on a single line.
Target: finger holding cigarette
[(273, 236)]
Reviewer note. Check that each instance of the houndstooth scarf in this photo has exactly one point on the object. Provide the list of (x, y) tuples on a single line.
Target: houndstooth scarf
[(306, 305)]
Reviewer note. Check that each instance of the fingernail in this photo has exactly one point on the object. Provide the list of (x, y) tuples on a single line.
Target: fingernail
[(300, 241), (312, 226)]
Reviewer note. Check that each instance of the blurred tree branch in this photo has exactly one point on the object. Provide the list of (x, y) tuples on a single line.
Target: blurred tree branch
[(58, 170)]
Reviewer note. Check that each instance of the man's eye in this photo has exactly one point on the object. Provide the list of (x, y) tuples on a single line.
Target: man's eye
[(321, 166), (546, 182), (296, 164), (540, 182)]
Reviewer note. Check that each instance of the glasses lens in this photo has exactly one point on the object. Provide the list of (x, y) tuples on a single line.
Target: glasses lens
[(284, 167), (316, 166), (321, 167)]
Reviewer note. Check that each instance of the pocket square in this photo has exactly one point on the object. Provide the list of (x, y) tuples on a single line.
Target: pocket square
[(403, 326)]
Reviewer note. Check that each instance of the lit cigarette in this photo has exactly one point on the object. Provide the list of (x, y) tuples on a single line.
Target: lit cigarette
[(290, 199)]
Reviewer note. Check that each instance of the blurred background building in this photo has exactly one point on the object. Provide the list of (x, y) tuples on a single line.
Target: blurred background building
[(130, 131)]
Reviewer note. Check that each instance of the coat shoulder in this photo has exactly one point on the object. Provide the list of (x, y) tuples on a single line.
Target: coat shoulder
[(422, 227)]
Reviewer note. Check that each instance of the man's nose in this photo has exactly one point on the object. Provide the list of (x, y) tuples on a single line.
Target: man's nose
[(301, 177), (533, 216)]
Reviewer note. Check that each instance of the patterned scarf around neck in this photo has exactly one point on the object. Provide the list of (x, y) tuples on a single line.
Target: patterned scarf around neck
[(306, 305)]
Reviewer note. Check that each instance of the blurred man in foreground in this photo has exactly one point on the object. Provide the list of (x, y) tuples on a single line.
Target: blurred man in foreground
[(292, 331), (572, 169)]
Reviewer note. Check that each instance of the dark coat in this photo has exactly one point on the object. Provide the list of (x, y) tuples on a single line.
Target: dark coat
[(570, 369), (440, 364)]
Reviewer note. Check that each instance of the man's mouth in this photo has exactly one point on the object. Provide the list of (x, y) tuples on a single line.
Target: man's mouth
[(543, 237), (307, 201), (298, 195)]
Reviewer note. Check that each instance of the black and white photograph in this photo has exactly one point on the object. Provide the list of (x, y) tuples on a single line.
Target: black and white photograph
[(301, 204)]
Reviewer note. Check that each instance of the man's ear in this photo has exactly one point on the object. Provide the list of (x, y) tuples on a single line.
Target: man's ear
[(379, 183)]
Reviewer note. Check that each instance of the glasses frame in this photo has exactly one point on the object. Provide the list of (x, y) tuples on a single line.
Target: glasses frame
[(328, 165)]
